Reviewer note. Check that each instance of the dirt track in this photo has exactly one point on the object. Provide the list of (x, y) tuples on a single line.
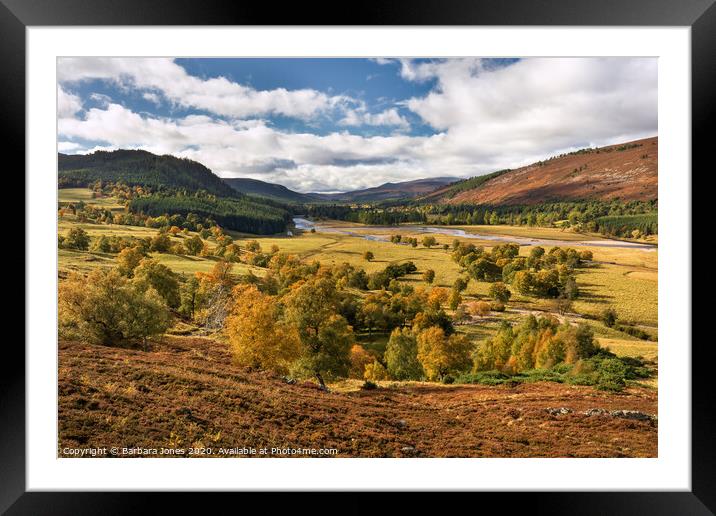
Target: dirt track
[(185, 392)]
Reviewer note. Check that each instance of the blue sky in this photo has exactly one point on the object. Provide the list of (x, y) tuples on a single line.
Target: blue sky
[(340, 124)]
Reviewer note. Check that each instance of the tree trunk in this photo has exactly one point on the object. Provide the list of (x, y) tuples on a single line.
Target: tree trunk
[(321, 382)]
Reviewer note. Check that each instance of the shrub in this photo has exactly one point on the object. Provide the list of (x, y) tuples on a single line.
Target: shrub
[(479, 308), (360, 358), (375, 371), (106, 308), (633, 331), (429, 276), (499, 292), (76, 238), (609, 317), (369, 386)]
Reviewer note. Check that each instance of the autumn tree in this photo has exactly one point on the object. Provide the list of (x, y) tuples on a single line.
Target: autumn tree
[(499, 292), (128, 259), (106, 308), (77, 238), (429, 276), (437, 297), (150, 273), (312, 308), (440, 355), (460, 284), (214, 294), (429, 241), (455, 299), (194, 245), (360, 358), (188, 295), (479, 308), (257, 337), (401, 356), (375, 371), (609, 317), (368, 256), (161, 243), (253, 246)]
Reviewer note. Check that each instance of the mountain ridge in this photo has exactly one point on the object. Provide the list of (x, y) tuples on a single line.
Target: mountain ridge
[(626, 171)]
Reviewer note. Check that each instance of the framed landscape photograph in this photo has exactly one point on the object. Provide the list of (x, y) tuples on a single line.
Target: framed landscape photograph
[(446, 249)]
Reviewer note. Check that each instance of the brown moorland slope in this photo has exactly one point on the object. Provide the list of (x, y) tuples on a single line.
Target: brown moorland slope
[(627, 171), (185, 392)]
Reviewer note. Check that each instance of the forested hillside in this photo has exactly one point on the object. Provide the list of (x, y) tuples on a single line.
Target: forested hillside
[(271, 190), (139, 168), (243, 214)]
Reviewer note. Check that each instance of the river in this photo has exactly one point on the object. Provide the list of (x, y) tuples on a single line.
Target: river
[(359, 231)]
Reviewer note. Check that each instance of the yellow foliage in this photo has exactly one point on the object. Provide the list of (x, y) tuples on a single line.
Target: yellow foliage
[(440, 355), (479, 308), (437, 297), (360, 358), (257, 339), (375, 372)]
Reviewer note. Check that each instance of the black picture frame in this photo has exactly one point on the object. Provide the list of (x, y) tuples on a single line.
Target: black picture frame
[(700, 15)]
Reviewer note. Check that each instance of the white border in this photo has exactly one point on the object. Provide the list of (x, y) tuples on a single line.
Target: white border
[(670, 471)]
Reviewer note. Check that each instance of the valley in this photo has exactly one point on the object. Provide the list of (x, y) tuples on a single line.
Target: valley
[(373, 325)]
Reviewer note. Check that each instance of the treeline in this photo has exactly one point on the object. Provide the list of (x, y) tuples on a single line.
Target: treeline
[(243, 214), (628, 225), (612, 218), (468, 184)]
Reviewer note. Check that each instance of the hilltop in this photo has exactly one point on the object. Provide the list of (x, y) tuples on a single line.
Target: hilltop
[(626, 171), (271, 190), (392, 191), (139, 168)]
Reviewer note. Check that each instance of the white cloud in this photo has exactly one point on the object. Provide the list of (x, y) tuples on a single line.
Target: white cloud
[(67, 103), (484, 119), (68, 146), (389, 117), (217, 94), (151, 97), (537, 106)]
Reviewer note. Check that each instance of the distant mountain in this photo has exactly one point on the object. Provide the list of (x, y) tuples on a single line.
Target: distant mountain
[(392, 191), (626, 171), (270, 190), (139, 168)]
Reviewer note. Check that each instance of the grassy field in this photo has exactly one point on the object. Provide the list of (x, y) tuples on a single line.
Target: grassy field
[(631, 348), (74, 195), (623, 278)]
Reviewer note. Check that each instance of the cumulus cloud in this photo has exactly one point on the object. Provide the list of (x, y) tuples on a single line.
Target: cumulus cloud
[(152, 97), (67, 103), (217, 95), (483, 118), (68, 146), (388, 117), (539, 105)]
